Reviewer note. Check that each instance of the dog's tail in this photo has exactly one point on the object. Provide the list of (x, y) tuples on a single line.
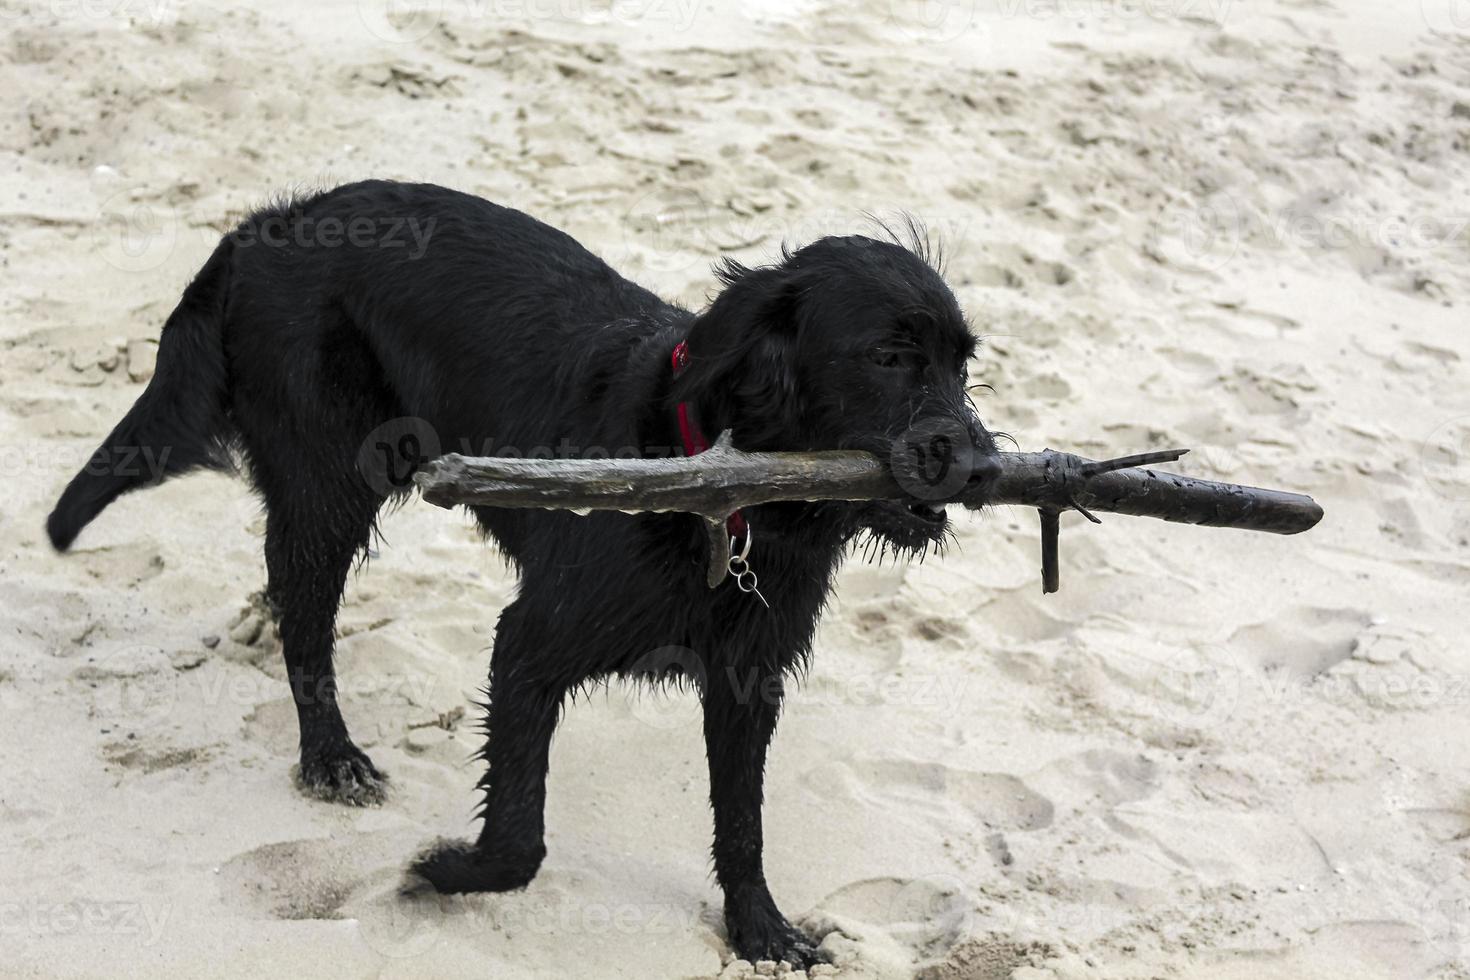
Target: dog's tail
[(178, 424)]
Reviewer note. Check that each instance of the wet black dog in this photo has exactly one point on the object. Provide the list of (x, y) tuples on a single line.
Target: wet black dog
[(336, 341)]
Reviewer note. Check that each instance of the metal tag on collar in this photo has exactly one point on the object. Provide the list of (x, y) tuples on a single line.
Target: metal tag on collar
[(745, 578)]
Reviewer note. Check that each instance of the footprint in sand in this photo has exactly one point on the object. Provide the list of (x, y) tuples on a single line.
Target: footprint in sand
[(999, 801), (995, 276), (1023, 620), (355, 876), (902, 921), (1098, 776), (1303, 641), (151, 759), (301, 879), (929, 926), (1048, 386)]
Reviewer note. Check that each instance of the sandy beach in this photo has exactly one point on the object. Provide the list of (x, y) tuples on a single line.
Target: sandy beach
[(1241, 226)]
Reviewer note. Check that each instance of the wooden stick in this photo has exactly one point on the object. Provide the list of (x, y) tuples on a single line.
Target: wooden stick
[(1061, 480), (722, 480), (715, 484)]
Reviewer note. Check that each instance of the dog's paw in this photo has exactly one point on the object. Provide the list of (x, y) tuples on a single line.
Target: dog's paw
[(758, 931), (341, 773), (451, 867)]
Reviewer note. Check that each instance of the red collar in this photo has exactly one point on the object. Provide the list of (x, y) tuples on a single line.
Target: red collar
[(695, 443)]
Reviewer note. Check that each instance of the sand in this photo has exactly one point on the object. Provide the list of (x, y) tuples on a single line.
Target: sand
[(1236, 226)]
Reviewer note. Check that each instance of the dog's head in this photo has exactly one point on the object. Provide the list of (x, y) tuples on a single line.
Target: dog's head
[(847, 343)]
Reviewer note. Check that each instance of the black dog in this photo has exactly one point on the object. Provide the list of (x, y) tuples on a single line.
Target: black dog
[(317, 335)]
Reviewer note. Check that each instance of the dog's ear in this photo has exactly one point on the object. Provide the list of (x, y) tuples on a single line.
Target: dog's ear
[(742, 356)]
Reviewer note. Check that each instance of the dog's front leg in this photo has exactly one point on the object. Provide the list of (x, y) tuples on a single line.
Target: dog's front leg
[(525, 702), (740, 710)]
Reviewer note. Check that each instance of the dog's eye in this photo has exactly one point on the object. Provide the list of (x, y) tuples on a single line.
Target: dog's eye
[(883, 357)]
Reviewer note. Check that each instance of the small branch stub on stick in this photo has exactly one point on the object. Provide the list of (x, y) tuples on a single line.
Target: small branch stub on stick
[(718, 482), (1051, 527)]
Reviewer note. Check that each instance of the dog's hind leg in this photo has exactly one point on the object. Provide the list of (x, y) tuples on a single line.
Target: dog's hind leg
[(311, 542), (740, 711), (525, 700)]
